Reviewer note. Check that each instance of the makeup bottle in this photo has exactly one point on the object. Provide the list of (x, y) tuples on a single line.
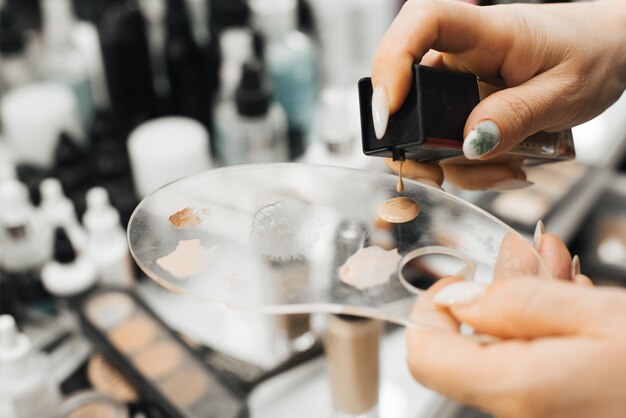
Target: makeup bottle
[(27, 389), (352, 351), (17, 67), (122, 31), (291, 65), (166, 149), (253, 129), (58, 211), (73, 168), (87, 42), (33, 117), (429, 124), (107, 246), (198, 11), (61, 61), (154, 13), (336, 143), (27, 243), (68, 277), (235, 49)]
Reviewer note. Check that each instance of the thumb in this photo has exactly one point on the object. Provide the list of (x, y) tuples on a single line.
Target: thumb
[(507, 117), (524, 308)]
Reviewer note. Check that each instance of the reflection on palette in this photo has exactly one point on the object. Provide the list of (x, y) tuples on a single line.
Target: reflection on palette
[(292, 238)]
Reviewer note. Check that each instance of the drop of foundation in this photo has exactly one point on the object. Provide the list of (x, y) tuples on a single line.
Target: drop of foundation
[(400, 184), (370, 266), (186, 218), (399, 210)]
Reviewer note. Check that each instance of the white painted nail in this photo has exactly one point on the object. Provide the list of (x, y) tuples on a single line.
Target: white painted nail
[(540, 229), (460, 293), (575, 268), (380, 111), (481, 140), (511, 184)]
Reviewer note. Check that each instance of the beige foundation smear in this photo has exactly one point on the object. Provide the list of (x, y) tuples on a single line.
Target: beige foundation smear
[(370, 266), (187, 218), (399, 210), (189, 258)]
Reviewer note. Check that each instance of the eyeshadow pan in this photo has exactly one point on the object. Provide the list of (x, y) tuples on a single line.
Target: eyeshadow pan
[(185, 387), (158, 360), (133, 334)]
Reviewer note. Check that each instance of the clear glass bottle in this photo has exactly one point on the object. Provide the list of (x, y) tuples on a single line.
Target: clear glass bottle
[(291, 64), (252, 128), (60, 60)]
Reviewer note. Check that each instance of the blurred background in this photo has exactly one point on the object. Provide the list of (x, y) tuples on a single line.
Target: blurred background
[(102, 102)]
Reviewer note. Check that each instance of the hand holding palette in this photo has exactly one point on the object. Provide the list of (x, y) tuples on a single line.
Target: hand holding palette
[(256, 220)]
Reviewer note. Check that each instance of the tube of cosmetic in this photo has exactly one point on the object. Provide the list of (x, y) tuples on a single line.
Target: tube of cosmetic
[(165, 371)]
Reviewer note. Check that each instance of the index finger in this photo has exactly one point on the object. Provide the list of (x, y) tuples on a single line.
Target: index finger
[(446, 26)]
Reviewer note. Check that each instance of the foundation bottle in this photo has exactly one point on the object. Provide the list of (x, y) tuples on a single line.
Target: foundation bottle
[(352, 351)]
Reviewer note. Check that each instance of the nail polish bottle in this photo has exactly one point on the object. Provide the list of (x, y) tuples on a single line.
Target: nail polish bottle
[(429, 124), (61, 61), (291, 65)]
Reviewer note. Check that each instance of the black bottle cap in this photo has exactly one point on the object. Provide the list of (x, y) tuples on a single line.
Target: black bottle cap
[(64, 252), (253, 95), (429, 124), (258, 45), (228, 13)]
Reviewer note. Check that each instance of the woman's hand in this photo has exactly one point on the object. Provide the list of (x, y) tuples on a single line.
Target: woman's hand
[(561, 342), (563, 63)]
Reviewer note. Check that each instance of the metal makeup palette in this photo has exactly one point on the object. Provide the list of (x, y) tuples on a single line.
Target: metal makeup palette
[(231, 236)]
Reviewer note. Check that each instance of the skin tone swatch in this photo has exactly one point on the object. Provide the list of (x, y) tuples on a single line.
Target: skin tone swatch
[(370, 266), (189, 258)]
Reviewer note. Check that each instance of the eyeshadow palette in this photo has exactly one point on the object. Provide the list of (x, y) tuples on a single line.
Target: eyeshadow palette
[(161, 366)]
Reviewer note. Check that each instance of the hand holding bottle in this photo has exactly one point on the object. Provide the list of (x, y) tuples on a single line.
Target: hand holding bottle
[(561, 69)]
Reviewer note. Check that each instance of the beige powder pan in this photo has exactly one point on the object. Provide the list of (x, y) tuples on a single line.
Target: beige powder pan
[(158, 360), (134, 334)]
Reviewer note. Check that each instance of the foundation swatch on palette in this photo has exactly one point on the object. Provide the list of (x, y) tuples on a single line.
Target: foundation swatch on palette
[(399, 210), (188, 259), (187, 218), (369, 267)]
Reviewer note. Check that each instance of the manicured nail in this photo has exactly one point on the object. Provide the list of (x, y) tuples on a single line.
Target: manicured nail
[(380, 111), (575, 268), (511, 184), (540, 229), (460, 293), (481, 140)]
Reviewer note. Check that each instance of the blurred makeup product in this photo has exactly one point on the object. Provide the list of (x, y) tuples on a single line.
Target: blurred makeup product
[(336, 144), (58, 211), (187, 68), (86, 40), (227, 14), (352, 350), (253, 129), (107, 246), (72, 165), (27, 389), (429, 125), (611, 241), (166, 149), (27, 242), (198, 11), (154, 13), (17, 67), (554, 185), (106, 378), (91, 404), (291, 66), (68, 276), (61, 61), (164, 369), (33, 117), (122, 31)]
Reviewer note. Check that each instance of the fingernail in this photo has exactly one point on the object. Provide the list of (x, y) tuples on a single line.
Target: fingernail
[(429, 182), (540, 229), (511, 184), (460, 293), (575, 268), (481, 140), (380, 111)]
